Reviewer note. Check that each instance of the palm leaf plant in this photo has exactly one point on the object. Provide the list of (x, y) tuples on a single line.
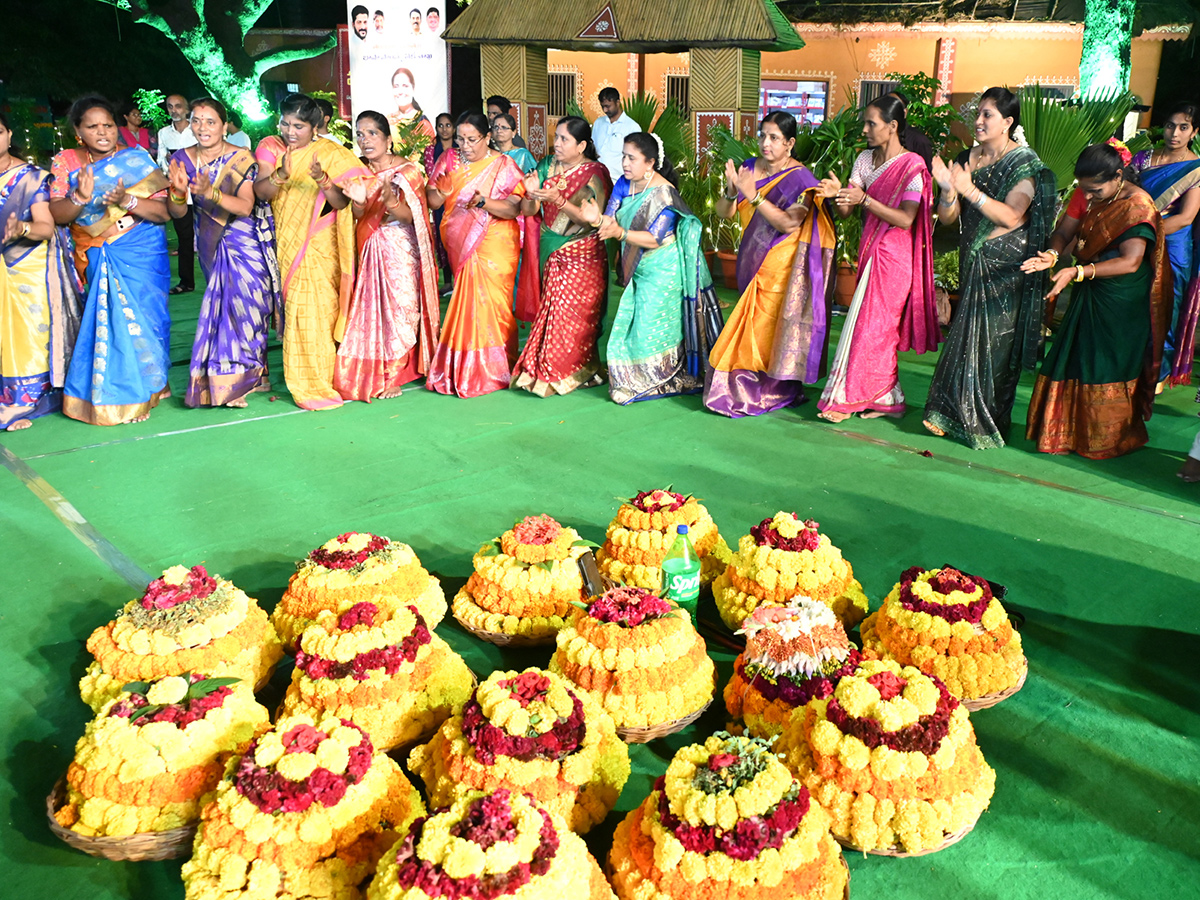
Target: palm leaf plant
[(1058, 131)]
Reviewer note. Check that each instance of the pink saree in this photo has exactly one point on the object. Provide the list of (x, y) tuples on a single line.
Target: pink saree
[(893, 308), (392, 326)]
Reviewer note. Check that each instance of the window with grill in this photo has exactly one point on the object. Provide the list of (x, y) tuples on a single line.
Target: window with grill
[(678, 92), (562, 91), (873, 90)]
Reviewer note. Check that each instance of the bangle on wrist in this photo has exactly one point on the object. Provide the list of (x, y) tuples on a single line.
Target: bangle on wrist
[(74, 198), (866, 201), (1078, 274), (25, 229), (1093, 275), (130, 203), (1053, 253), (216, 196), (947, 201), (180, 199)]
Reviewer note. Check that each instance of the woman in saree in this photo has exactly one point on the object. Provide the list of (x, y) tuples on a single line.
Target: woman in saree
[(893, 307), (392, 328), (1095, 389), (235, 240), (1004, 198), (504, 129), (300, 175), (1171, 176), (564, 270), (481, 192), (39, 297), (115, 204), (408, 122), (777, 336), (130, 130), (443, 143), (669, 317)]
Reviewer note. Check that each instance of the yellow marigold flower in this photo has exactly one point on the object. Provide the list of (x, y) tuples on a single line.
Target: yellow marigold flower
[(168, 691)]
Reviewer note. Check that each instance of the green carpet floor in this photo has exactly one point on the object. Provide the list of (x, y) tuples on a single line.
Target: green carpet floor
[(1096, 759)]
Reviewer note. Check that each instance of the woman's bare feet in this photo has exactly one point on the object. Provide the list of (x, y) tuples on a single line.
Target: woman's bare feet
[(20, 425), (1190, 471), (390, 393), (239, 403), (933, 429), (830, 416), (138, 419)]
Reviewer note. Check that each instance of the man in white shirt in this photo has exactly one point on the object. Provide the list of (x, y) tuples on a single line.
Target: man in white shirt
[(177, 136), (610, 130)]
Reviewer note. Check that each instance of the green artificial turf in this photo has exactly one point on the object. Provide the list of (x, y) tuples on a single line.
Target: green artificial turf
[(1096, 758)]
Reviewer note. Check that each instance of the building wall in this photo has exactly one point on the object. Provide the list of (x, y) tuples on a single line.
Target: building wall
[(981, 59)]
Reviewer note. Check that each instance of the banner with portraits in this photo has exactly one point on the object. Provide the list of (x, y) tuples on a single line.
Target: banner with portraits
[(399, 64)]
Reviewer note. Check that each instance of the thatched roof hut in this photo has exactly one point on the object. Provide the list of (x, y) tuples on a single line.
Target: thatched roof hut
[(626, 26)]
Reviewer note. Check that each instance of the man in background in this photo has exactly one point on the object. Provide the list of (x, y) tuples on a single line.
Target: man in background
[(358, 21), (498, 105), (379, 24), (914, 139), (433, 19), (326, 116), (177, 136), (610, 130), (234, 133), (414, 20)]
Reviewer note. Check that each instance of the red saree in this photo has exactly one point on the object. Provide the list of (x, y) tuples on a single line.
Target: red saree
[(564, 278)]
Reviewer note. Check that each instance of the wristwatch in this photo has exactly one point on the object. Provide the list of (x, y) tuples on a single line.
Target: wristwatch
[(482, 202)]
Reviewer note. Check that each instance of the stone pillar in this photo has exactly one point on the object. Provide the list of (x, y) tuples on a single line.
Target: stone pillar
[(723, 85), (519, 73)]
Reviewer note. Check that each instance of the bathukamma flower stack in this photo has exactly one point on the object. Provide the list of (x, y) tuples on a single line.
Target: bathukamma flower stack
[(530, 731), (644, 529), (524, 581), (638, 655), (381, 668), (729, 821), (307, 812), (145, 761), (892, 756), (350, 568), (793, 654), (947, 623), (784, 557), (494, 846), (185, 621)]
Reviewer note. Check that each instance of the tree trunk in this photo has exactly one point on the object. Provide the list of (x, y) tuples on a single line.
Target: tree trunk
[(1107, 39)]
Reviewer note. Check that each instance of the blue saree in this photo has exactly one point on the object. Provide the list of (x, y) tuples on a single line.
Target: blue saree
[(119, 369)]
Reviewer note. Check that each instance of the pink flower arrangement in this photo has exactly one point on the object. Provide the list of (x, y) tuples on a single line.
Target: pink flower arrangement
[(766, 536), (946, 581), (347, 559), (628, 606), (271, 792), (799, 692), (925, 736), (162, 595), (358, 614), (537, 530)]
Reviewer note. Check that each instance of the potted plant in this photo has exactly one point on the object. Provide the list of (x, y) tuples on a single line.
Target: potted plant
[(945, 283)]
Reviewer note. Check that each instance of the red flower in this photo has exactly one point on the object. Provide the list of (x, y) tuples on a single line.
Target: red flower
[(327, 788), (944, 582), (302, 739), (347, 559), (527, 687), (889, 684), (808, 538), (719, 761), (358, 614)]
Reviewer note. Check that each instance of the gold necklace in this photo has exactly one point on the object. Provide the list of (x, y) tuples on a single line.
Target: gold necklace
[(562, 176)]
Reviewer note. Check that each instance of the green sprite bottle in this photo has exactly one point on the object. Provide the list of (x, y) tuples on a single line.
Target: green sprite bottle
[(681, 572)]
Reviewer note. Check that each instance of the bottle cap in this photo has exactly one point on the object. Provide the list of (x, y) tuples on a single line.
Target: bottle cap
[(681, 529)]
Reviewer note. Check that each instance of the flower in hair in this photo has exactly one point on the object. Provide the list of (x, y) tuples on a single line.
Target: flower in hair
[(1122, 150)]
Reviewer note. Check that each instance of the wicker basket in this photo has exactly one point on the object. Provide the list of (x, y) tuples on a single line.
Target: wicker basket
[(643, 734), (152, 845), (897, 851), (845, 865), (987, 701), (502, 639)]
